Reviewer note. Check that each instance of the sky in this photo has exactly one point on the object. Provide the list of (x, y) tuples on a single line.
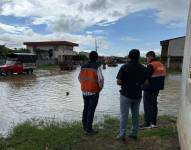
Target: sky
[(116, 25)]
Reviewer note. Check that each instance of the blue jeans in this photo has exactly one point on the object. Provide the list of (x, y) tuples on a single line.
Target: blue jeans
[(126, 104)]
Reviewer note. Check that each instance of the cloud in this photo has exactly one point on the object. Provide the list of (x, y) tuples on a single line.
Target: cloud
[(65, 18), (105, 23), (97, 5), (3, 2), (173, 13), (70, 15), (66, 23), (14, 29), (12, 37)]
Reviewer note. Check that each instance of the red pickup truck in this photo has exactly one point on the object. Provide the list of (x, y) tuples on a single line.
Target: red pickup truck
[(19, 63)]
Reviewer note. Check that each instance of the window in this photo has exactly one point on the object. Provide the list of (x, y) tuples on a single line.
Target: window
[(56, 48), (67, 48), (50, 53)]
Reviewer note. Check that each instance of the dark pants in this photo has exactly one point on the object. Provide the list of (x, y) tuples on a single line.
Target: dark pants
[(90, 103), (150, 107)]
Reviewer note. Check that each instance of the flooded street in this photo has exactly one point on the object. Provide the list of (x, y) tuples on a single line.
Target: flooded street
[(43, 96)]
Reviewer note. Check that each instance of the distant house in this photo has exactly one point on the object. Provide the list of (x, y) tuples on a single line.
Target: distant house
[(101, 59), (57, 51), (172, 52)]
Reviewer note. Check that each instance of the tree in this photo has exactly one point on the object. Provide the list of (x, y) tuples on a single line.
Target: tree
[(81, 57), (4, 50)]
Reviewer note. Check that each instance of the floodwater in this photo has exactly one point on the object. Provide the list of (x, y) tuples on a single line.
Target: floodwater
[(43, 96)]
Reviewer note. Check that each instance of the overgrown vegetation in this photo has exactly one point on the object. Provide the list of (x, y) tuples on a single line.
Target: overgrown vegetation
[(70, 136), (4, 51)]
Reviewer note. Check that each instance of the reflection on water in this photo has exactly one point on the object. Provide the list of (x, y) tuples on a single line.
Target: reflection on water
[(43, 95), (169, 99)]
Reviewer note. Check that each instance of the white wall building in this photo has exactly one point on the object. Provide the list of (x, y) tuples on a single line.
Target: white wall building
[(59, 51), (184, 116)]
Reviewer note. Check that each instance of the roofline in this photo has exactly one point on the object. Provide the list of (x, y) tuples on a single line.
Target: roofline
[(173, 39), (51, 43), (31, 54)]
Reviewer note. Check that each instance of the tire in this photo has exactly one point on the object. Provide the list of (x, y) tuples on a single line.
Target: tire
[(20, 73), (29, 71), (9, 73)]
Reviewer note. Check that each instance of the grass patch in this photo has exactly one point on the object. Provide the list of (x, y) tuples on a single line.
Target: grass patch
[(48, 67), (27, 136), (174, 71), (69, 136)]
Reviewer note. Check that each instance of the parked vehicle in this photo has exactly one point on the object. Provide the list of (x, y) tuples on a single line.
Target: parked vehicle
[(19, 63), (67, 65), (112, 63)]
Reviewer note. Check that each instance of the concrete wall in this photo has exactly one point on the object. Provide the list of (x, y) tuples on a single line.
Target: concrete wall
[(66, 48), (184, 116), (172, 53), (176, 47)]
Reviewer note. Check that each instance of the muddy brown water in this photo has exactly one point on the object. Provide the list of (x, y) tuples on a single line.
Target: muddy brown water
[(43, 96)]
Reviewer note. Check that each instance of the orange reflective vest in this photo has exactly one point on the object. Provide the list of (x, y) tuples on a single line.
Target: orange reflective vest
[(89, 80), (158, 69)]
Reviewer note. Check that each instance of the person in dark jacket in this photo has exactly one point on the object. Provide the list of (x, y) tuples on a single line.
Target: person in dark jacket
[(156, 76), (131, 78), (91, 80)]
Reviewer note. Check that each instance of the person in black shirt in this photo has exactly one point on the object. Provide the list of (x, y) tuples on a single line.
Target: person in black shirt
[(131, 78)]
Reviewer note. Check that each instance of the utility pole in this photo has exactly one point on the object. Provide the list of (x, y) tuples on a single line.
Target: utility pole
[(96, 45)]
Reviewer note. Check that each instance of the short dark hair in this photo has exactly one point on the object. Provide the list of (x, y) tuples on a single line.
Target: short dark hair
[(151, 53), (93, 56), (134, 54)]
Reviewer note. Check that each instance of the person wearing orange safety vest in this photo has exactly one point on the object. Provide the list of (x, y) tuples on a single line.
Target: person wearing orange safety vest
[(91, 81), (155, 83)]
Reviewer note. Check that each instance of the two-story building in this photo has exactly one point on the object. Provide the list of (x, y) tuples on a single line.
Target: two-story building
[(55, 51)]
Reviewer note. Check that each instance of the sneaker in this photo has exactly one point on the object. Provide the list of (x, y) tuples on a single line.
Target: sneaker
[(154, 126), (134, 137), (145, 126), (121, 138)]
